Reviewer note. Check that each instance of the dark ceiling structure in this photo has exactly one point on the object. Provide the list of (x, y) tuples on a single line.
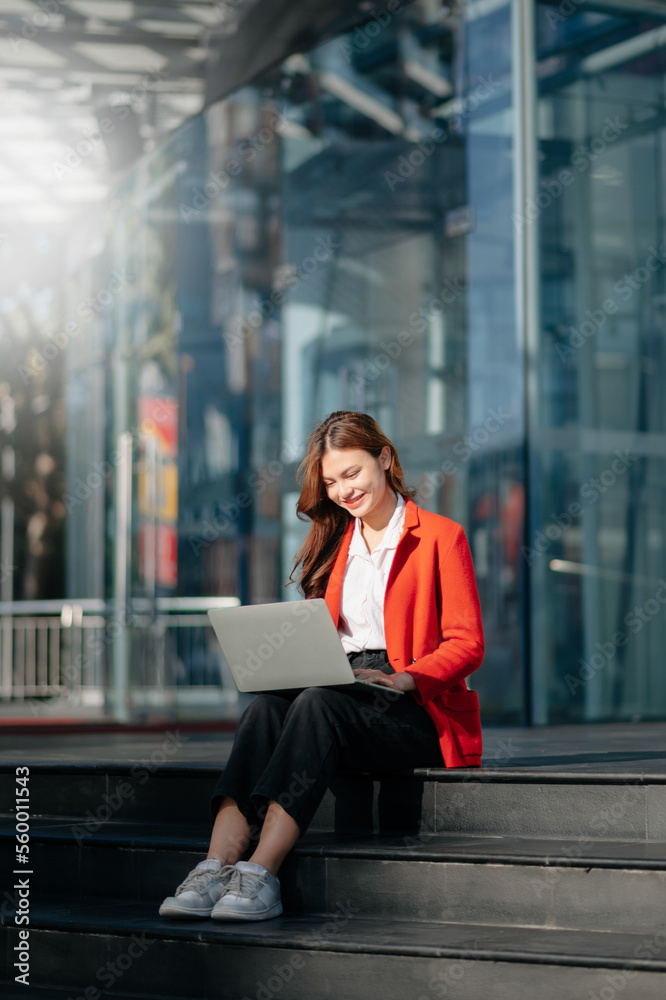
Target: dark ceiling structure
[(88, 86)]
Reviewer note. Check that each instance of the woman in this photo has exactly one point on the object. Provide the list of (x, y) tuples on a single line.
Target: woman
[(399, 584)]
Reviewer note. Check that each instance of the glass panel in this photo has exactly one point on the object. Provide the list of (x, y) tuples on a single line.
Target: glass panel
[(146, 328), (402, 267), (598, 441), (336, 235)]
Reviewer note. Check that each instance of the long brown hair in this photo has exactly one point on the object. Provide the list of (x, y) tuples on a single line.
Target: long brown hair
[(342, 429)]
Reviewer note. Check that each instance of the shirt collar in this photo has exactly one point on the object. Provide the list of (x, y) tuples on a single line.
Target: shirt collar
[(390, 537)]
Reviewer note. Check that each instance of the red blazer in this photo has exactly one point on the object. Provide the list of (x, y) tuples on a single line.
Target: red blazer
[(432, 624)]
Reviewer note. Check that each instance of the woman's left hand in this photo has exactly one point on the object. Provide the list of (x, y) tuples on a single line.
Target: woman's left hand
[(401, 681)]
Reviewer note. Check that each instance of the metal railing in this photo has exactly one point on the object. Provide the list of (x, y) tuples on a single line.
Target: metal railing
[(62, 655)]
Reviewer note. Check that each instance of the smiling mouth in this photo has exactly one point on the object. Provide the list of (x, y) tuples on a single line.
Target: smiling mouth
[(355, 499)]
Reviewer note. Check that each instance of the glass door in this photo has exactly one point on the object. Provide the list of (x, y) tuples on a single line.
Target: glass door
[(598, 427)]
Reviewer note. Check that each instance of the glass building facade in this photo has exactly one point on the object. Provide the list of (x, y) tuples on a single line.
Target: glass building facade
[(449, 217)]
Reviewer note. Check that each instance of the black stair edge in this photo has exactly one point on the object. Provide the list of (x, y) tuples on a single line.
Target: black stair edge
[(299, 933), (397, 847), (113, 767), (436, 850), (9, 990), (458, 775), (70, 726)]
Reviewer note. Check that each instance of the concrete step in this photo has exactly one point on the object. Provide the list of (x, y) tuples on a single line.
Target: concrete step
[(90, 946), (601, 885), (471, 802)]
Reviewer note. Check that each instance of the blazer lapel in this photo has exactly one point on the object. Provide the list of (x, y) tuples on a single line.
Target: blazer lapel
[(334, 585), (411, 521)]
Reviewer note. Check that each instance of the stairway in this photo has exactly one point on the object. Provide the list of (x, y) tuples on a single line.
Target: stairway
[(468, 884)]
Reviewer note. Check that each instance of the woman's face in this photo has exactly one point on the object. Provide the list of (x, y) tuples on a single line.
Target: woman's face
[(356, 480)]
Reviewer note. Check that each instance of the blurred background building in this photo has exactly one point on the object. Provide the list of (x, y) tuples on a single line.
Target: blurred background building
[(221, 221)]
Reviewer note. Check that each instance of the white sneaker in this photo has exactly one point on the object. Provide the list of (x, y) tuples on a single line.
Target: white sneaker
[(252, 894), (198, 894)]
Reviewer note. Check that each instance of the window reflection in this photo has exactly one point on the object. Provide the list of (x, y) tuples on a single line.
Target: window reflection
[(342, 233), (599, 434), (336, 235)]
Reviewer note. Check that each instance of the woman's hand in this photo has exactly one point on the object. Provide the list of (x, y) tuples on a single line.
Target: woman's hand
[(401, 681)]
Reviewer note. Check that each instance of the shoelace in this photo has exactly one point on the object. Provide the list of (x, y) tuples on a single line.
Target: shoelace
[(199, 880), (245, 883)]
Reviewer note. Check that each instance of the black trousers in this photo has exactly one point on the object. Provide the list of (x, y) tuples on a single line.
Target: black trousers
[(289, 743)]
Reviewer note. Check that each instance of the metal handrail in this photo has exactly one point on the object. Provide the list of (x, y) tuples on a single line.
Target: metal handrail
[(94, 605), (63, 650), (91, 605)]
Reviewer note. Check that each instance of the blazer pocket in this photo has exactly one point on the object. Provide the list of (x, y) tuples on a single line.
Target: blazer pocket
[(461, 701), (462, 711)]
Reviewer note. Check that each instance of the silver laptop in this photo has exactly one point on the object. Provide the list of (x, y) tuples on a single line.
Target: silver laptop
[(292, 644)]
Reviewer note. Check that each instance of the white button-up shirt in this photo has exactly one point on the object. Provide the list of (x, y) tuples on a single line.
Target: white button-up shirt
[(361, 624)]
